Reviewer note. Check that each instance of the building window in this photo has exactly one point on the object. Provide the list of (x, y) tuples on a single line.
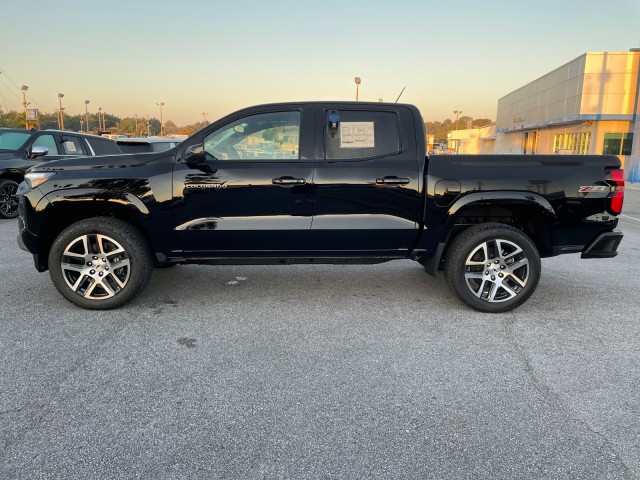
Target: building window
[(577, 143), (617, 143)]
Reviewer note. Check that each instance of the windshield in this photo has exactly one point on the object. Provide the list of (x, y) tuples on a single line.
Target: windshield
[(12, 140)]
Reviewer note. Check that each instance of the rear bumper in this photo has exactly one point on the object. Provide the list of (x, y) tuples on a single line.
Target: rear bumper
[(604, 245)]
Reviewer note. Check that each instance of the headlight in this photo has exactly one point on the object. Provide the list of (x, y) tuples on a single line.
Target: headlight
[(35, 179)]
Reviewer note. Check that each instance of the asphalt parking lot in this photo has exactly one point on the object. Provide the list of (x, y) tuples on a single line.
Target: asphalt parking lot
[(323, 372)]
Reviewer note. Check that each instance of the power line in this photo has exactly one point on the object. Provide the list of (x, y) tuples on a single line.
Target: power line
[(33, 100)]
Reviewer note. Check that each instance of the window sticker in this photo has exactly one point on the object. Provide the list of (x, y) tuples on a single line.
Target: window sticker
[(70, 146), (357, 135)]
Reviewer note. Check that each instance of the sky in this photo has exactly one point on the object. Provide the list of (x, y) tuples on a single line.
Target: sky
[(219, 56)]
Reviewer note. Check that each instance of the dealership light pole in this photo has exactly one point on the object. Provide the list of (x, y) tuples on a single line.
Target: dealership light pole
[(358, 82), (457, 112), (60, 109), (86, 115), (24, 104), (161, 104), (99, 118), (204, 117)]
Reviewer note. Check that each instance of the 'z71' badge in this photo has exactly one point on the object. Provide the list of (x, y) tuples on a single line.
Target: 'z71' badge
[(592, 188)]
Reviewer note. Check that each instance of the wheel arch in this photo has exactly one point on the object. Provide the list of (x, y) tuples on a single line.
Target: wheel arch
[(529, 212), (12, 174), (61, 212)]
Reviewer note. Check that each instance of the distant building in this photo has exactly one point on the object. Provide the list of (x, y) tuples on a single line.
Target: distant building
[(588, 106)]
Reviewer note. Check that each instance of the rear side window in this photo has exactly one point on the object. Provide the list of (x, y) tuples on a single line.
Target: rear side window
[(72, 146), (360, 134), (103, 146)]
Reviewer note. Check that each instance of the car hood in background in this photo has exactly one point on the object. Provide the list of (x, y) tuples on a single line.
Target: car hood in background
[(105, 161)]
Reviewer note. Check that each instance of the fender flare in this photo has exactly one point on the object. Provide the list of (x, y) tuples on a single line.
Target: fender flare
[(500, 198), (94, 195)]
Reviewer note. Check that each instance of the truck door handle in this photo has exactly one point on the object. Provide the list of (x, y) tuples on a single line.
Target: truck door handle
[(288, 181), (392, 181)]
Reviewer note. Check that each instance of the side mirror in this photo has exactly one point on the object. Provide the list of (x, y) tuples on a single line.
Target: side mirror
[(193, 154), (38, 151)]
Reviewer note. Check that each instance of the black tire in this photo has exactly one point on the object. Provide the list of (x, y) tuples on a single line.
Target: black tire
[(493, 267), (100, 263), (8, 199)]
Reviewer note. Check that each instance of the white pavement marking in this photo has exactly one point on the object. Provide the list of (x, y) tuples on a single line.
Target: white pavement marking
[(632, 218)]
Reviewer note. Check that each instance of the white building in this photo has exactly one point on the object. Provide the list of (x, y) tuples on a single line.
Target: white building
[(587, 106)]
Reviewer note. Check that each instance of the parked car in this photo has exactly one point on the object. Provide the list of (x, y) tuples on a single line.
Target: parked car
[(21, 149), (148, 144), (324, 182)]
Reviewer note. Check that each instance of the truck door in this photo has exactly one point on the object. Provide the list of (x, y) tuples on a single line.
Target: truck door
[(244, 185), (366, 180)]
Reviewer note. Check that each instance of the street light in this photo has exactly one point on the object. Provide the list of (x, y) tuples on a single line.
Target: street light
[(161, 104), (24, 104), (86, 115), (204, 117), (358, 82), (60, 114), (457, 112), (99, 118)]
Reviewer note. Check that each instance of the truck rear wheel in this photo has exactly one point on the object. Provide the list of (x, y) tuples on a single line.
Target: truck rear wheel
[(100, 263), (493, 267)]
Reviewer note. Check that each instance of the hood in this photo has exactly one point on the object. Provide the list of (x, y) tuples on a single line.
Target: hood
[(8, 155), (102, 162)]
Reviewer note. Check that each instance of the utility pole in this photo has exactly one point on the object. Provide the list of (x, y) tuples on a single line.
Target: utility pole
[(24, 104), (60, 109), (161, 104), (204, 118), (135, 116), (457, 112), (86, 115), (100, 118)]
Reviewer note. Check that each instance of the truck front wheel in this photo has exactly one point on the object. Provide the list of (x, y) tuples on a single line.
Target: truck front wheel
[(8, 199), (100, 263), (493, 267)]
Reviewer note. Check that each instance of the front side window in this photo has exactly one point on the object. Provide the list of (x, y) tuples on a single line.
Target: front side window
[(360, 134), (266, 136), (47, 141)]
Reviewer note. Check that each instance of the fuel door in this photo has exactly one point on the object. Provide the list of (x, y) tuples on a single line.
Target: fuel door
[(446, 191)]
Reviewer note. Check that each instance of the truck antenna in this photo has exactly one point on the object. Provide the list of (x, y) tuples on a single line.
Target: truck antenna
[(400, 94)]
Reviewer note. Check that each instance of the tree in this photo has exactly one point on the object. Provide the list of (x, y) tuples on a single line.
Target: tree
[(126, 126), (170, 128), (12, 119)]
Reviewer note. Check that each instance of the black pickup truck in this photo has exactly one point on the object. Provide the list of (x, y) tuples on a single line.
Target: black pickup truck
[(322, 182)]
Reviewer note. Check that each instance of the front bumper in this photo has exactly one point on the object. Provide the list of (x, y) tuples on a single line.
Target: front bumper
[(604, 245)]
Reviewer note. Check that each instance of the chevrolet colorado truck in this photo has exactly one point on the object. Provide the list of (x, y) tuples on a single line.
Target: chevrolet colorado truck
[(317, 182)]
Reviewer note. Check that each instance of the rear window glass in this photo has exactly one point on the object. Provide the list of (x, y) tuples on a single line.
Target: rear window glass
[(129, 147), (103, 146), (360, 134)]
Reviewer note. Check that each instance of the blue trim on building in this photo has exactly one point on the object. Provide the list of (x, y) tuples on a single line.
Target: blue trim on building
[(571, 119)]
